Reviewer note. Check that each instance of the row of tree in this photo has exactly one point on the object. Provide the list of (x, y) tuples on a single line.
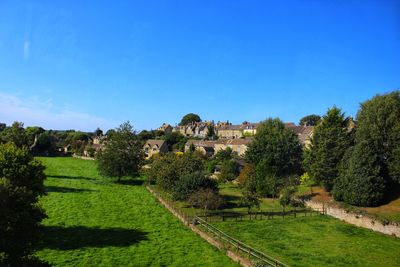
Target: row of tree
[(359, 163)]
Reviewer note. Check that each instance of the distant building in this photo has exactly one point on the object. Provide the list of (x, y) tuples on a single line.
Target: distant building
[(237, 145), (152, 147), (166, 128), (205, 147)]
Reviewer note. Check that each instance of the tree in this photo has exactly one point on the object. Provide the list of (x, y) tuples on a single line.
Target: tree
[(175, 140), (122, 155), (247, 172), (192, 182), (276, 155), (206, 198), (286, 196), (370, 172), (21, 185), (190, 118), (98, 132), (2, 126), (360, 182), (310, 120), (378, 124), (15, 134), (211, 135), (228, 170), (328, 145)]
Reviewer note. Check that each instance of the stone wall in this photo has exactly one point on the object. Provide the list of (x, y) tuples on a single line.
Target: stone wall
[(356, 219)]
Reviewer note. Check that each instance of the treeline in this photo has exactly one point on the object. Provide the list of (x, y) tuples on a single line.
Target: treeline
[(47, 142)]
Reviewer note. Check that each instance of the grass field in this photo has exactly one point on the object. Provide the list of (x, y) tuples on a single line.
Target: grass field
[(93, 221), (316, 241)]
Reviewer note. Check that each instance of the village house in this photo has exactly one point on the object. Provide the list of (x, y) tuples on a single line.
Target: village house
[(166, 128), (195, 129), (227, 130), (238, 146), (152, 147), (205, 147)]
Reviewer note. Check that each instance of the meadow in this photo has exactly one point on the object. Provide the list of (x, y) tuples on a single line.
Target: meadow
[(316, 241), (93, 221)]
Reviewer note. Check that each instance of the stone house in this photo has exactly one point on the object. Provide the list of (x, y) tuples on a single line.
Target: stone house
[(166, 128), (205, 147), (237, 145), (152, 147)]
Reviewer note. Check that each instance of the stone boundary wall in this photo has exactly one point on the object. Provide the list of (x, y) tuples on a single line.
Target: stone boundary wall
[(82, 157), (231, 254), (356, 219)]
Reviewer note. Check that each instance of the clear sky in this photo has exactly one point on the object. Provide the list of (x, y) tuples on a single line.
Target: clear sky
[(83, 64)]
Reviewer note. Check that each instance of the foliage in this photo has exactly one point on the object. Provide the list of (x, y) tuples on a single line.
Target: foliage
[(95, 222), (278, 146), (378, 124), (189, 118), (175, 141), (207, 199), (328, 145), (122, 155), (286, 196), (46, 143), (224, 154), (250, 200), (310, 120), (359, 182), (98, 132), (166, 170), (21, 184), (246, 173), (211, 134), (306, 180), (276, 154), (192, 182), (228, 170), (2, 126), (15, 134)]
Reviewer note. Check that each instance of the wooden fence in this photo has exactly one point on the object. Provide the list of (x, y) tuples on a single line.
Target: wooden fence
[(260, 215), (238, 245)]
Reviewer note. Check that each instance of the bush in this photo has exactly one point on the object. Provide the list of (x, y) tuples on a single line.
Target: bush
[(21, 185), (246, 173), (228, 170), (192, 182), (286, 196), (206, 198)]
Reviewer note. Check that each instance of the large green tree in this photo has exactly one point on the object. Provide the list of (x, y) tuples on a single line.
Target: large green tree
[(371, 172), (122, 155), (276, 154), (329, 142), (15, 134), (21, 185), (189, 118), (310, 120)]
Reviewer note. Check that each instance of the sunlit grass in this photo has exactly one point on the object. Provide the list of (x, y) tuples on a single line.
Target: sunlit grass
[(94, 221)]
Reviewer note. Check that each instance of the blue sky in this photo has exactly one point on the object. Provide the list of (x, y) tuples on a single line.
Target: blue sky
[(83, 64)]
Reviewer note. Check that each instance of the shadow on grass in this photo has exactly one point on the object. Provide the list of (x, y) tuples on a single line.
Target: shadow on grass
[(230, 202), (71, 177), (60, 189), (133, 182), (69, 238)]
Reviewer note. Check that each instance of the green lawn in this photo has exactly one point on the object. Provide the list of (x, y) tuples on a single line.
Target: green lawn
[(96, 222), (316, 241)]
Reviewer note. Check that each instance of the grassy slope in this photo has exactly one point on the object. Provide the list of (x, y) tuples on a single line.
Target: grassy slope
[(95, 222), (317, 241)]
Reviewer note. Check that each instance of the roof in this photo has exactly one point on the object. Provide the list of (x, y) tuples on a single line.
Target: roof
[(154, 142), (201, 143)]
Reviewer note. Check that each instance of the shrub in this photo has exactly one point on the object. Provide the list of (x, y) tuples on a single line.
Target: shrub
[(228, 170), (192, 182), (206, 198), (246, 173)]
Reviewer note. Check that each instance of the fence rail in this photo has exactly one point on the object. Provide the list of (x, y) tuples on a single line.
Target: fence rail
[(238, 245), (232, 242)]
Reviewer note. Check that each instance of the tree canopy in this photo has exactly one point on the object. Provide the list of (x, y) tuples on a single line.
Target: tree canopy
[(276, 155), (21, 184), (370, 172), (122, 155), (328, 145), (310, 120), (189, 118)]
